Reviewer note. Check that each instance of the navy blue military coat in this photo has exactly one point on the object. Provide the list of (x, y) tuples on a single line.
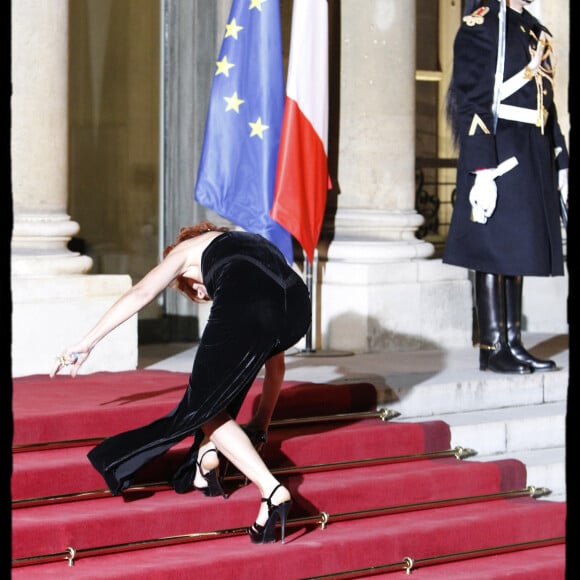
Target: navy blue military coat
[(523, 236)]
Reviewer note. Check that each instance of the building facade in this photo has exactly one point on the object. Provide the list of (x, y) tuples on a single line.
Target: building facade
[(108, 108)]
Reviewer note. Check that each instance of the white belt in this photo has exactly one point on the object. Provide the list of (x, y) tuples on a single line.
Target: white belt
[(521, 114)]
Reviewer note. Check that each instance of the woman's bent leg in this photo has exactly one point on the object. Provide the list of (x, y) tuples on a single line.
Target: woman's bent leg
[(234, 444)]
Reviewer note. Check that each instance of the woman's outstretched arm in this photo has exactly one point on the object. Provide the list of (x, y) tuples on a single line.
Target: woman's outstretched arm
[(131, 302)]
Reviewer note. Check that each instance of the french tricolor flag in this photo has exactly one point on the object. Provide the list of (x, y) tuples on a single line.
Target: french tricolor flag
[(302, 179)]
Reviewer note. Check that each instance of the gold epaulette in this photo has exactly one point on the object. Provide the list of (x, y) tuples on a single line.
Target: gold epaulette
[(476, 17)]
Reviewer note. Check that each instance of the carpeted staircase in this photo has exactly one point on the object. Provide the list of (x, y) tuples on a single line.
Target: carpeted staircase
[(372, 497)]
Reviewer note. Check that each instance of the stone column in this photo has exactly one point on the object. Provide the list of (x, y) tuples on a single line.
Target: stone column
[(53, 302), (376, 172), (42, 228), (376, 289)]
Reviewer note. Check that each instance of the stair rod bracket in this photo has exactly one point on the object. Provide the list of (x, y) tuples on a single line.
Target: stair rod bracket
[(71, 553), (387, 414), (538, 491), (464, 452)]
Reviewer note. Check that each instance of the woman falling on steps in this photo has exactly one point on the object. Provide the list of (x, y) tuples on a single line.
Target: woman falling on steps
[(260, 307)]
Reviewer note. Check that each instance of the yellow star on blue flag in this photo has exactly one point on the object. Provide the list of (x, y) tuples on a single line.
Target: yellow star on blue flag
[(237, 169)]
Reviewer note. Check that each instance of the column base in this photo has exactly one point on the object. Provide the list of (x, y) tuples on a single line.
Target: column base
[(39, 246), (390, 306), (68, 263), (50, 313)]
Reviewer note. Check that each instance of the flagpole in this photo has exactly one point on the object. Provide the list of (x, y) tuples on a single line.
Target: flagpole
[(308, 349), (308, 275)]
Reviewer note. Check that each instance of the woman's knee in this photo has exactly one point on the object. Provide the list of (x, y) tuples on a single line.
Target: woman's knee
[(215, 423)]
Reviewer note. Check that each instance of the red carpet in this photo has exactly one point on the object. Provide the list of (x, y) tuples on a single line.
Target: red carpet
[(454, 518)]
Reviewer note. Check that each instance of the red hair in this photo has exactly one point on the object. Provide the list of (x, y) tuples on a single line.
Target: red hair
[(186, 233)]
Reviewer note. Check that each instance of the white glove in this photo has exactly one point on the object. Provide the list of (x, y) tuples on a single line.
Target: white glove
[(483, 195), (563, 184)]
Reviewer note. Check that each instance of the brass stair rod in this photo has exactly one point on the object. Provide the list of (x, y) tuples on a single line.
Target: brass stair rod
[(383, 414), (83, 495), (71, 553), (28, 447), (409, 564), (321, 519), (458, 452), (530, 491), (495, 550)]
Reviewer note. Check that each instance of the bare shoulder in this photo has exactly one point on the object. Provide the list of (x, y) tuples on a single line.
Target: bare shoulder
[(199, 243), (191, 250)]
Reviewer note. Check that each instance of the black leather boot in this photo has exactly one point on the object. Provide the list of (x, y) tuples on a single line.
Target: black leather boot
[(513, 305), (495, 354)]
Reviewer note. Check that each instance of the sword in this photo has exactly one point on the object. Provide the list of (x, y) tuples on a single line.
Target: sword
[(499, 68), (564, 212)]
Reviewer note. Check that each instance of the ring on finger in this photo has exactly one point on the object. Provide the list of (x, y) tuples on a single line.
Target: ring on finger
[(66, 360)]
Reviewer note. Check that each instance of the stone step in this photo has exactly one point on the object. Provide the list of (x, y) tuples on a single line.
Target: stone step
[(533, 434), (509, 429), (545, 468), (430, 394)]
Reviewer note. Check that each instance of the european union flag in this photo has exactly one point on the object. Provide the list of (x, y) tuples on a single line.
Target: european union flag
[(237, 169)]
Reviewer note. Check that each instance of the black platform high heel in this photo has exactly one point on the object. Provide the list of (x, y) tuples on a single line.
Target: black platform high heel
[(214, 485), (265, 534)]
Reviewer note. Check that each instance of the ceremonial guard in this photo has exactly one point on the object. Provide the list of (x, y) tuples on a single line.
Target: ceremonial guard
[(512, 171)]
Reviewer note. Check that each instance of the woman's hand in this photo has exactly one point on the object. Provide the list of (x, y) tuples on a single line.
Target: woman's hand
[(71, 357)]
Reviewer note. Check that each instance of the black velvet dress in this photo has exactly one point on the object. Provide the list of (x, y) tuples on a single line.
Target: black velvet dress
[(260, 307)]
